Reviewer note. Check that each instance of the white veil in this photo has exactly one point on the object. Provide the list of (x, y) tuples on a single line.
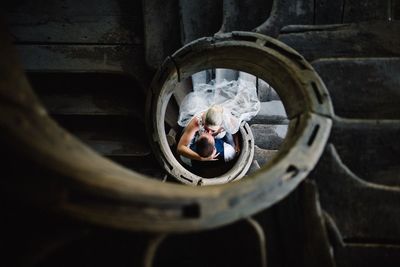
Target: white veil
[(238, 99)]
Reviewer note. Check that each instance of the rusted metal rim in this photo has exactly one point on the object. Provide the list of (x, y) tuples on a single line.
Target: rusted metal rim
[(166, 82), (88, 186), (173, 167), (252, 53)]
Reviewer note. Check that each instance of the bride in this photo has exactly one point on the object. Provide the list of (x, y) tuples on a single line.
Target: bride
[(217, 109)]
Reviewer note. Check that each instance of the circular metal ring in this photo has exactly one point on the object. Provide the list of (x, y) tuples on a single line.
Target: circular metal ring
[(90, 187), (301, 91)]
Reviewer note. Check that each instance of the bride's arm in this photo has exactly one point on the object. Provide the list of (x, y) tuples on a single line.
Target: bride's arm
[(183, 144)]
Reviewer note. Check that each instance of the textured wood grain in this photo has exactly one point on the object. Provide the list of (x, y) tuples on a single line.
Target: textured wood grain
[(366, 39), (365, 88), (358, 208)]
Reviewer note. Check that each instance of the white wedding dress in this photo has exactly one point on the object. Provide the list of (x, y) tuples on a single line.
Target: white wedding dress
[(238, 99)]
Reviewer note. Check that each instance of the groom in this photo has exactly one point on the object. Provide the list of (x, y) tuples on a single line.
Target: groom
[(206, 144)]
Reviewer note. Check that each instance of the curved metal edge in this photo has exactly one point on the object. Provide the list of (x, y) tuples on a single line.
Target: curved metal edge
[(116, 197), (233, 201), (157, 103)]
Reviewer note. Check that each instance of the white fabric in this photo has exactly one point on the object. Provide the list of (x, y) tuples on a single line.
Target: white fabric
[(229, 152), (238, 99)]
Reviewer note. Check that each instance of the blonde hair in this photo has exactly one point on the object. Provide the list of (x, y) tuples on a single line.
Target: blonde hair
[(214, 116)]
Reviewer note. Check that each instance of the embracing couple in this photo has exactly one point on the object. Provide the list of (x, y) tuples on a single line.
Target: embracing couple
[(211, 116), (205, 138)]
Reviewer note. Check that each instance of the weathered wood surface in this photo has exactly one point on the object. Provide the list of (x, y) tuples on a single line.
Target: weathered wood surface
[(375, 155), (368, 254), (108, 135), (365, 88), (328, 12), (91, 104), (366, 39), (318, 12), (102, 92), (286, 12), (120, 59), (302, 229), (110, 34), (355, 10), (362, 211), (240, 253), (322, 12), (161, 30), (103, 110), (68, 7), (291, 29), (95, 22), (199, 18), (75, 30), (395, 10), (244, 15), (115, 148)]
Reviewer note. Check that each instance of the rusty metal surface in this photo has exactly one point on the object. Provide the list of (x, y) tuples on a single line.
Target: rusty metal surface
[(304, 95)]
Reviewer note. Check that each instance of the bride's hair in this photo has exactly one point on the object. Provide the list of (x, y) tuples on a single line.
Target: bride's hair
[(214, 116)]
